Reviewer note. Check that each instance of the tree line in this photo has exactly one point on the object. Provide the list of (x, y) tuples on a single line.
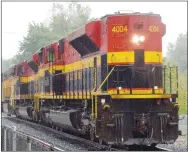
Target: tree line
[(62, 21), (177, 56)]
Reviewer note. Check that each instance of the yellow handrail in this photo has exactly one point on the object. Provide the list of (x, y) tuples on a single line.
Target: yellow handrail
[(105, 79), (94, 94), (95, 85)]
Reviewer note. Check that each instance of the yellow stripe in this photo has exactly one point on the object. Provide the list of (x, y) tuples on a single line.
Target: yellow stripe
[(25, 96), (112, 57), (153, 56), (114, 96), (128, 56), (6, 83), (82, 64), (141, 96), (23, 79), (126, 91), (120, 57)]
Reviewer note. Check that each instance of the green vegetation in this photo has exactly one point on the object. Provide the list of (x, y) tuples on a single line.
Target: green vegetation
[(177, 56), (61, 22)]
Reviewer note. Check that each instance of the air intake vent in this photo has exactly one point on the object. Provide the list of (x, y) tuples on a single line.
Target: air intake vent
[(33, 66), (84, 45)]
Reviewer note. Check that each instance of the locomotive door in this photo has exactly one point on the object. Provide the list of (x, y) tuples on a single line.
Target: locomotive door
[(58, 83)]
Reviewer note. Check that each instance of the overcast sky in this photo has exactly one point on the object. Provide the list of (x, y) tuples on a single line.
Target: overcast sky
[(17, 15)]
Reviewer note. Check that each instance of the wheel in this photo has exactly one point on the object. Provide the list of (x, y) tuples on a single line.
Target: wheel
[(57, 128), (53, 126), (100, 141), (153, 145)]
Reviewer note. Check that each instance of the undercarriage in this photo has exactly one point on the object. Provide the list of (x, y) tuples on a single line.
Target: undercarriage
[(130, 122)]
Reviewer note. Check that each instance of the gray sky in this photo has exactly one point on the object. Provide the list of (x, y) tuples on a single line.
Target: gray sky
[(16, 16)]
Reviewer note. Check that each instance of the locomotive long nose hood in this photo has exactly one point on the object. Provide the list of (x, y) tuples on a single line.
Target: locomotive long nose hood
[(86, 40), (33, 65)]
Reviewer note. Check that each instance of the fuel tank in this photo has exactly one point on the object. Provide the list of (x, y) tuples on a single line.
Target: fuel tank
[(70, 119), (24, 111)]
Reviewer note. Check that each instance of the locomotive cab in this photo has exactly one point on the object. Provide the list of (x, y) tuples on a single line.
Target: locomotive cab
[(137, 82)]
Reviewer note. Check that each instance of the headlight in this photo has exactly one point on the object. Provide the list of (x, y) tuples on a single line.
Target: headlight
[(136, 39), (141, 38), (103, 101), (119, 88), (155, 87)]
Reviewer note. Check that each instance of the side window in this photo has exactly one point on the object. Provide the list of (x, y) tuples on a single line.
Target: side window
[(40, 54), (51, 55), (59, 53), (20, 70)]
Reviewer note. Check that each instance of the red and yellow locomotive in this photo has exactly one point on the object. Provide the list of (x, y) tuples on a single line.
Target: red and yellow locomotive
[(106, 79)]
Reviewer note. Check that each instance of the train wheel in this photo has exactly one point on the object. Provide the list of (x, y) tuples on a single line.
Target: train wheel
[(57, 128), (101, 141), (53, 126), (153, 145)]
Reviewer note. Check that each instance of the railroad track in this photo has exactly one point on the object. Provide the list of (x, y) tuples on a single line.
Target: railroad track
[(147, 148), (58, 133), (95, 145)]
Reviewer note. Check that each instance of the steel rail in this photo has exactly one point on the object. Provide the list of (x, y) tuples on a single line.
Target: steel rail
[(59, 133), (88, 142)]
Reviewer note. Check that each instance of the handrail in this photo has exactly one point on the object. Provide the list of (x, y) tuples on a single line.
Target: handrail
[(94, 93), (105, 79)]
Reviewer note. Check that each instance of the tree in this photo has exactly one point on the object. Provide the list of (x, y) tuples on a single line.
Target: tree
[(177, 55), (62, 22), (6, 64), (38, 36), (177, 52)]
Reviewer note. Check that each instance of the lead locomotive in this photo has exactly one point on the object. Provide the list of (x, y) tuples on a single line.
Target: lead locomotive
[(105, 80)]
